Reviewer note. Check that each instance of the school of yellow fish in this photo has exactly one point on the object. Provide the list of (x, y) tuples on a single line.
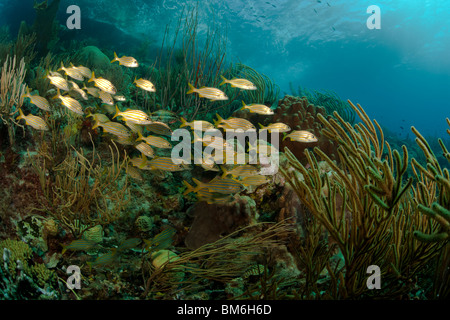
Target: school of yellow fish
[(145, 132)]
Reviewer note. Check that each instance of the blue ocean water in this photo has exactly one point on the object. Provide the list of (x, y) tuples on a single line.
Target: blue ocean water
[(400, 73)]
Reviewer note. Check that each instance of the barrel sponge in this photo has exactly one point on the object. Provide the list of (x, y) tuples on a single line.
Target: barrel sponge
[(93, 58)]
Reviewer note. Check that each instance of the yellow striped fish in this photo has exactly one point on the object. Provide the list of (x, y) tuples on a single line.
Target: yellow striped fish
[(214, 197), (162, 240), (70, 103), (233, 123), (208, 164), (240, 171), (159, 128), (85, 72), (98, 117), (145, 85), (33, 121), (255, 180), (92, 91), (257, 108), (106, 258), (165, 116), (71, 72), (139, 162), (218, 184), (129, 244), (239, 83), (129, 62), (213, 94), (103, 84), (59, 82), (280, 127), (145, 149), (79, 245), (135, 116), (134, 173), (219, 142), (208, 196), (77, 89), (301, 136), (134, 127), (55, 74), (38, 101), (164, 164), (126, 141), (106, 98), (203, 125), (155, 141), (114, 128)]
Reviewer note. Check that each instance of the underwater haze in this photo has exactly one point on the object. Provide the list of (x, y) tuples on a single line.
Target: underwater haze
[(399, 73), (224, 150)]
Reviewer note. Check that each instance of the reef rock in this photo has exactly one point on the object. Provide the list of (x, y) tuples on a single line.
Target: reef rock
[(213, 221), (92, 58)]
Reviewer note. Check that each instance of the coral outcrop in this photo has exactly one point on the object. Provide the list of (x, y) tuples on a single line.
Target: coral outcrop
[(212, 221)]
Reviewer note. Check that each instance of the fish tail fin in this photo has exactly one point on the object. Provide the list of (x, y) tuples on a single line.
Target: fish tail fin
[(21, 115), (58, 94), (219, 120), (92, 77), (224, 170), (117, 112), (116, 58), (191, 89), (284, 136), (96, 124), (183, 122), (62, 67), (140, 136), (243, 105), (224, 80), (199, 185), (189, 188), (28, 94), (144, 162)]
